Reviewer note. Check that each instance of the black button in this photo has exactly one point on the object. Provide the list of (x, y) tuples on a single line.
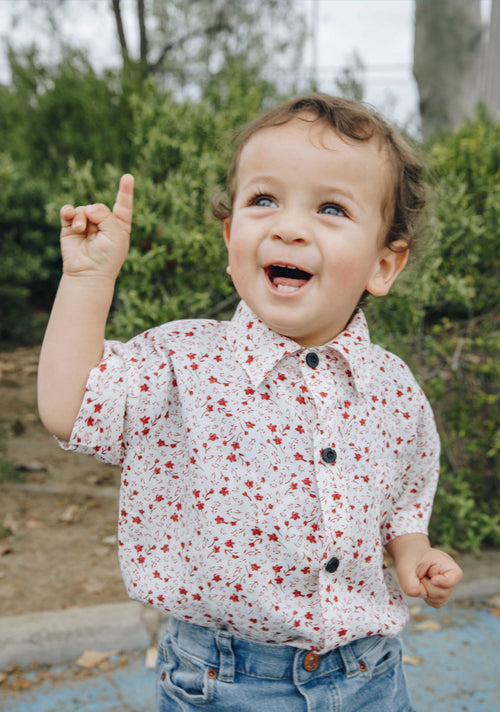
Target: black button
[(328, 455), (332, 565), (312, 359)]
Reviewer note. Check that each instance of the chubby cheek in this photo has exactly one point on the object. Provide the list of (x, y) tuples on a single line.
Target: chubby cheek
[(349, 272), (343, 263), (237, 261)]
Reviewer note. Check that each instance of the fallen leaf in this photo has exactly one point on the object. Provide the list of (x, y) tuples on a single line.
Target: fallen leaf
[(151, 656), (427, 625), (33, 466), (93, 587), (412, 660), (419, 617), (94, 658), (35, 524), (69, 515), (6, 368), (11, 523), (106, 666)]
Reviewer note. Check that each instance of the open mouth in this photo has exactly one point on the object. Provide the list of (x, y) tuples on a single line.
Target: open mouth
[(287, 278)]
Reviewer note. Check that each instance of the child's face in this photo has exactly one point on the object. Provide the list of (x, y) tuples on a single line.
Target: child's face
[(306, 235)]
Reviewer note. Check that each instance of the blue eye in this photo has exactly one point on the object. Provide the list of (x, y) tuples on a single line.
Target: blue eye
[(264, 201), (332, 209)]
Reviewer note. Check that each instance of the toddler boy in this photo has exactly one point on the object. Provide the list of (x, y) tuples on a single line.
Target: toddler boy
[(266, 461)]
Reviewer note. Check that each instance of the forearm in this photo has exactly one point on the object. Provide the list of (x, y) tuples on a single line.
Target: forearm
[(72, 347)]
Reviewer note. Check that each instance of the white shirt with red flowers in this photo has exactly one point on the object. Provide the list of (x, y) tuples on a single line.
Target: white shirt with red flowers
[(261, 479)]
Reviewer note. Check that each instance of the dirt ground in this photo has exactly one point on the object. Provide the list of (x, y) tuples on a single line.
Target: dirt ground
[(58, 511)]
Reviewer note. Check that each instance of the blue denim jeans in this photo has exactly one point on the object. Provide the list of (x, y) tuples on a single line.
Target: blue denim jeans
[(199, 668)]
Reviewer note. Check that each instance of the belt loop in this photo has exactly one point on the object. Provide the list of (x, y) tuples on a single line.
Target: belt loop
[(226, 656), (351, 664)]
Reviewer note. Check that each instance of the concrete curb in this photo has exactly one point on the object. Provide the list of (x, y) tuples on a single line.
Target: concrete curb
[(479, 590), (58, 637)]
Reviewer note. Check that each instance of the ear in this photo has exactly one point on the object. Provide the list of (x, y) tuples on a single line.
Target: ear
[(226, 231), (390, 263)]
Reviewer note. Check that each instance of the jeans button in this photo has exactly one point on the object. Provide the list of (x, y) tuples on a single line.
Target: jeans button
[(311, 661)]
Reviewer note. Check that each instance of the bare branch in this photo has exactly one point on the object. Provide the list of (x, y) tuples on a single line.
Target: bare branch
[(119, 27), (215, 28)]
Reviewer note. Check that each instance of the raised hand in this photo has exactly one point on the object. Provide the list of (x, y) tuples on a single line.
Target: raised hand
[(95, 239)]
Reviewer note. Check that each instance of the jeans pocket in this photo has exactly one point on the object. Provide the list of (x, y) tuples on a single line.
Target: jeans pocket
[(383, 657), (183, 677)]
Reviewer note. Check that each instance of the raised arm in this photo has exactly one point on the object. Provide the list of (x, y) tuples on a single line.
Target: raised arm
[(94, 244)]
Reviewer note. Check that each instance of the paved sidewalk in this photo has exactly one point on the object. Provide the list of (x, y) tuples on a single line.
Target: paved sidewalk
[(451, 664)]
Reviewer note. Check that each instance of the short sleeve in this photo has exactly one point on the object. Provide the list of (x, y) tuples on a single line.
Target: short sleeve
[(416, 480), (119, 391)]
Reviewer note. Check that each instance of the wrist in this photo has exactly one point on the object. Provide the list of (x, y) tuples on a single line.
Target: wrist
[(87, 281), (415, 545)]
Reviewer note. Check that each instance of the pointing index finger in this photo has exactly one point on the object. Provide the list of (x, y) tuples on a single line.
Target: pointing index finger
[(124, 204)]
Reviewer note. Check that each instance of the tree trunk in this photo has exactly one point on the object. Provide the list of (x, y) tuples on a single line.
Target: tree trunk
[(447, 61), (491, 90)]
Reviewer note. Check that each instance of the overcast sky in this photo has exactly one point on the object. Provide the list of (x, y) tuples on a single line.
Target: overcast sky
[(380, 32)]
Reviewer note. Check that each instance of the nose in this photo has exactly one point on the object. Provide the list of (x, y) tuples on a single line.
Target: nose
[(291, 227)]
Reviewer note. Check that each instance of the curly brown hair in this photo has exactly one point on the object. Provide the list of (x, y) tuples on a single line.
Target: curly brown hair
[(355, 120)]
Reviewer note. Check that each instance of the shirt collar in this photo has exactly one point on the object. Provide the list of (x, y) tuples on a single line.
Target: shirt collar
[(355, 346), (259, 349)]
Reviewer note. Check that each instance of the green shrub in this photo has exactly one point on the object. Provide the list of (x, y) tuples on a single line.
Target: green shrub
[(29, 257), (443, 319)]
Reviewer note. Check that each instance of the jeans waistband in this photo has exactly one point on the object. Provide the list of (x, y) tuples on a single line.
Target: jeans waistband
[(227, 653)]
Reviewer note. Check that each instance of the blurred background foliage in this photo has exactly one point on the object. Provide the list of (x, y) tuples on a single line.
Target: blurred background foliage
[(69, 132)]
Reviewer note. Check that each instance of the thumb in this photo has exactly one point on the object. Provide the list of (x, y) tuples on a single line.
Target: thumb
[(411, 582)]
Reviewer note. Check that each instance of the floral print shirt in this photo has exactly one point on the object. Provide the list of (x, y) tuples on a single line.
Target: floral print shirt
[(261, 479)]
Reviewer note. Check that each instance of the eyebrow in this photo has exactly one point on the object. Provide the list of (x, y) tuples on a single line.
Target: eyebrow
[(338, 190), (262, 179), (327, 188)]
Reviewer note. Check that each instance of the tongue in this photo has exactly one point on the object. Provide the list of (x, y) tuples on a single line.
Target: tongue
[(288, 277), (289, 282)]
